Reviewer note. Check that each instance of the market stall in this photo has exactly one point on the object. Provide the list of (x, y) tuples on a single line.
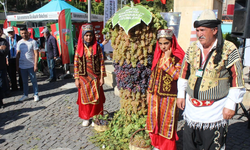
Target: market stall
[(51, 11)]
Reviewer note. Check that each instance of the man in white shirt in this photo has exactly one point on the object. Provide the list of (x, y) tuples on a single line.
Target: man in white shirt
[(26, 59), (212, 78)]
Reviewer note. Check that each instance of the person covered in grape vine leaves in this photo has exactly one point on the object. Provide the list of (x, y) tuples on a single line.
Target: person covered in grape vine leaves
[(211, 75), (89, 73), (162, 91)]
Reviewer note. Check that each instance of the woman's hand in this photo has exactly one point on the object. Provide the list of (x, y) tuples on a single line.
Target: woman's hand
[(168, 53), (101, 81), (77, 83)]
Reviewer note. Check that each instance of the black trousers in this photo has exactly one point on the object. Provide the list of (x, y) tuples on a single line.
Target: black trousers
[(199, 139), (2, 79), (12, 75)]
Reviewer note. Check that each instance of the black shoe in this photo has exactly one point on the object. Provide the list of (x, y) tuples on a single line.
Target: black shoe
[(52, 80)]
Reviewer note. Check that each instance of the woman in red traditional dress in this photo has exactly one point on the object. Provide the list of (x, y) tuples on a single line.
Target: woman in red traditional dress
[(89, 73), (162, 91)]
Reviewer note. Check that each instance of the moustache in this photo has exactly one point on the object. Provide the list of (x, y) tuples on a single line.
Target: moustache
[(202, 37)]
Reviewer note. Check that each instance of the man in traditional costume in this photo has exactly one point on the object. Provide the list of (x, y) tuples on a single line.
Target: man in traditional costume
[(211, 74), (89, 74), (162, 91)]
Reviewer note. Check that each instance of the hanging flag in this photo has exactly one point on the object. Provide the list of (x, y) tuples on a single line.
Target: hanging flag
[(6, 24), (55, 33), (136, 1), (40, 30), (31, 31), (163, 2), (36, 32), (12, 23), (17, 30), (83, 0), (66, 40)]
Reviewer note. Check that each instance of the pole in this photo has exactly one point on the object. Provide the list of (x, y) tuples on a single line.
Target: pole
[(89, 11), (4, 11), (121, 4)]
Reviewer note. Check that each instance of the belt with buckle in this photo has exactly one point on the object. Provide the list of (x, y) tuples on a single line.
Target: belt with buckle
[(199, 103)]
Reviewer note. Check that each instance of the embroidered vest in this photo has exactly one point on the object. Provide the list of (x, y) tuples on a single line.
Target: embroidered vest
[(167, 86), (215, 81), (96, 63)]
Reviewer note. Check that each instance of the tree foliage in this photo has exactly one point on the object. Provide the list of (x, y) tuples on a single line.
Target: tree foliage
[(96, 8)]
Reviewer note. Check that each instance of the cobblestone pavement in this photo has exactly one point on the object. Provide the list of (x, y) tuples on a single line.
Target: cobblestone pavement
[(53, 122)]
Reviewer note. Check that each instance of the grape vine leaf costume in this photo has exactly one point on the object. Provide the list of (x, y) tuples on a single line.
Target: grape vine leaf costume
[(162, 92), (88, 68)]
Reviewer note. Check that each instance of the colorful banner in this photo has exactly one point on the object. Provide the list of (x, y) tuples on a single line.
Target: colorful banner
[(55, 33), (66, 40)]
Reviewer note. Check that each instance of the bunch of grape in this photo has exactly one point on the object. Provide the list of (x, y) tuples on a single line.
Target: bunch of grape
[(102, 122), (133, 79), (134, 47)]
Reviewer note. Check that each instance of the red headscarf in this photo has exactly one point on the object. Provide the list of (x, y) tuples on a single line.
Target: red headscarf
[(80, 45), (176, 50)]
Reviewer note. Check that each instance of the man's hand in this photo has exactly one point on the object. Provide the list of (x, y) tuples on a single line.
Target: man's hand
[(181, 103), (2, 47), (35, 69), (77, 83), (228, 113)]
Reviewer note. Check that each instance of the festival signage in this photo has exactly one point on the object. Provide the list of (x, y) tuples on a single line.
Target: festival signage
[(128, 17), (110, 7), (52, 16)]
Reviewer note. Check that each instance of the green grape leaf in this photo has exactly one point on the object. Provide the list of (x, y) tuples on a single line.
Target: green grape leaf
[(128, 17)]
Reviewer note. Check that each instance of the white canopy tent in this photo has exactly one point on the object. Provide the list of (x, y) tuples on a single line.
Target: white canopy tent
[(51, 11)]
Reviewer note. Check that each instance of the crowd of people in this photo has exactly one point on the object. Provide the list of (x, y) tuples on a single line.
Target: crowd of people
[(206, 81)]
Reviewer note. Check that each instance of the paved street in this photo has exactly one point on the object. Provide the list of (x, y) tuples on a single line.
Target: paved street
[(53, 122)]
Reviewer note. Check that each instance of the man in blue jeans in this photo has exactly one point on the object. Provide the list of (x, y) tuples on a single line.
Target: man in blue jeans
[(26, 59), (4, 50), (51, 53)]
